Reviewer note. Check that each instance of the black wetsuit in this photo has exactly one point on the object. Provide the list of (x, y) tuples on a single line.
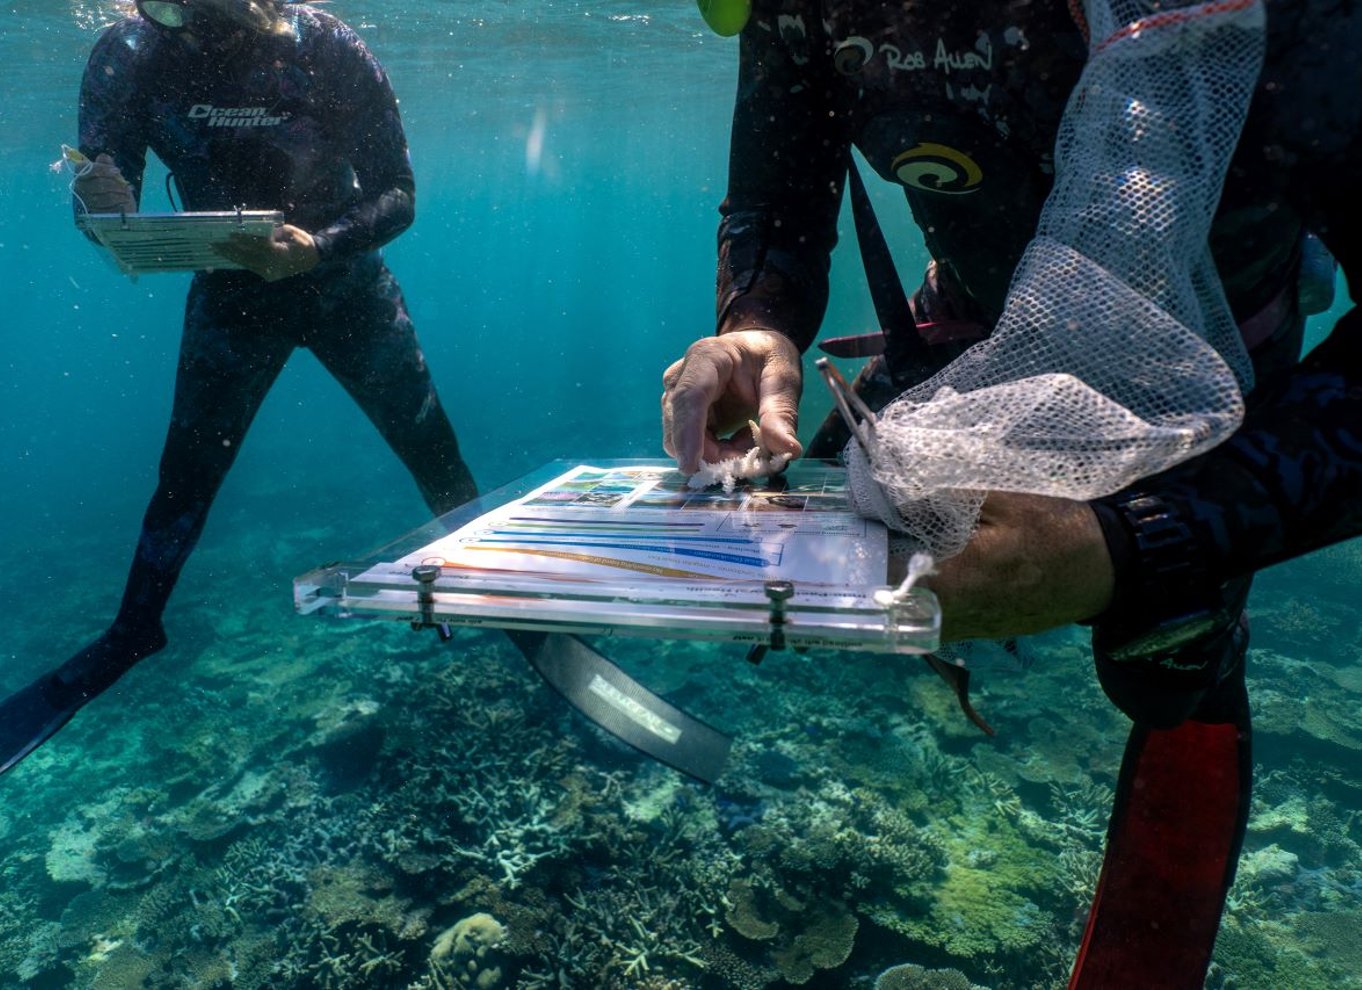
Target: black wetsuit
[(987, 83), (304, 122), (960, 104)]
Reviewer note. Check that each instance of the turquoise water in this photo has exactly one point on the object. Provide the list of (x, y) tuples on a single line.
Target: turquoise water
[(285, 802)]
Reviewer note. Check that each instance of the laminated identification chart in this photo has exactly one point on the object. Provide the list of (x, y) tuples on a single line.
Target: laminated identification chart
[(643, 524), (628, 548)]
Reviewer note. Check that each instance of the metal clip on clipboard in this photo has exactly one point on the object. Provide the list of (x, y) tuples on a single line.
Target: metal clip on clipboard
[(425, 575), (778, 593)]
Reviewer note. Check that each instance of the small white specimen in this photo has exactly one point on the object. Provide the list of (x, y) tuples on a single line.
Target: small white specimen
[(758, 462)]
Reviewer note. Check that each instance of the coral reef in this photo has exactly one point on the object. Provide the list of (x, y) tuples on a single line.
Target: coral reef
[(347, 807)]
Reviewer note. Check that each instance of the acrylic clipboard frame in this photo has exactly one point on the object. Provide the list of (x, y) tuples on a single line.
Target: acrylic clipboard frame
[(150, 243), (408, 580)]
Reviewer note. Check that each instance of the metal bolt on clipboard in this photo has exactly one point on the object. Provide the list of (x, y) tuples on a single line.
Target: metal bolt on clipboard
[(425, 575), (778, 593)]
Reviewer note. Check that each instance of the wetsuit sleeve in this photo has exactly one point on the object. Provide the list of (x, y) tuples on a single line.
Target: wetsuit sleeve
[(366, 108), (111, 119), (787, 165), (1288, 482)]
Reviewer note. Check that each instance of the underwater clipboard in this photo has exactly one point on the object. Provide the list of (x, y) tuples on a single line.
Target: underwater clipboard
[(626, 548), (145, 243)]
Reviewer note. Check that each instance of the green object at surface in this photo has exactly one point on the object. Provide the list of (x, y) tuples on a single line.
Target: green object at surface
[(725, 17)]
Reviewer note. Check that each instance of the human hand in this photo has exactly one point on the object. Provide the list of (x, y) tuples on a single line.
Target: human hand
[(1033, 563), (718, 387), (101, 187), (290, 251)]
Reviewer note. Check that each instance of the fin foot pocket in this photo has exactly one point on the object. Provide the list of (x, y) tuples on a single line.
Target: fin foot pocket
[(33, 714)]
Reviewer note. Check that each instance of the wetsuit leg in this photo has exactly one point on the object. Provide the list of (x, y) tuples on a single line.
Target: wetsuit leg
[(1178, 822), (228, 360), (369, 345)]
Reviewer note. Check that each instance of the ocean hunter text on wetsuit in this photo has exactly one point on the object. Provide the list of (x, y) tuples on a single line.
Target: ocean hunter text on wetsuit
[(308, 124), (301, 120)]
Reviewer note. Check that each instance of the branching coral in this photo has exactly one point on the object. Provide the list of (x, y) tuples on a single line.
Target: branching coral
[(757, 462), (351, 957), (501, 825), (851, 844), (1254, 956), (611, 940)]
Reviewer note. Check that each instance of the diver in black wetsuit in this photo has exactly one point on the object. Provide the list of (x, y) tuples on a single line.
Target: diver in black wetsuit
[(960, 103), (259, 105)]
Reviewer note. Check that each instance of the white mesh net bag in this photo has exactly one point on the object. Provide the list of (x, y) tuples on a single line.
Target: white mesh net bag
[(1116, 355)]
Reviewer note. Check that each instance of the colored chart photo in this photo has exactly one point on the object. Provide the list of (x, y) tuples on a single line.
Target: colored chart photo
[(643, 522)]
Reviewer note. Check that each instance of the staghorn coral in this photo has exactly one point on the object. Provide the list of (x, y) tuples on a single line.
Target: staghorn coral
[(629, 920), (506, 792), (851, 803), (349, 957), (256, 879), (494, 823), (1081, 811)]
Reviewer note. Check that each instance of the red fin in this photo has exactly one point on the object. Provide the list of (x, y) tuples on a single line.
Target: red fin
[(1171, 851), (861, 345)]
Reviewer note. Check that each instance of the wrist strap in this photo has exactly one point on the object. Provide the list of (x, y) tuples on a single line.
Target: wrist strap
[(1165, 595), (1164, 558)]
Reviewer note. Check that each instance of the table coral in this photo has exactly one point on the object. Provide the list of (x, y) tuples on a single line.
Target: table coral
[(829, 932), (909, 976)]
